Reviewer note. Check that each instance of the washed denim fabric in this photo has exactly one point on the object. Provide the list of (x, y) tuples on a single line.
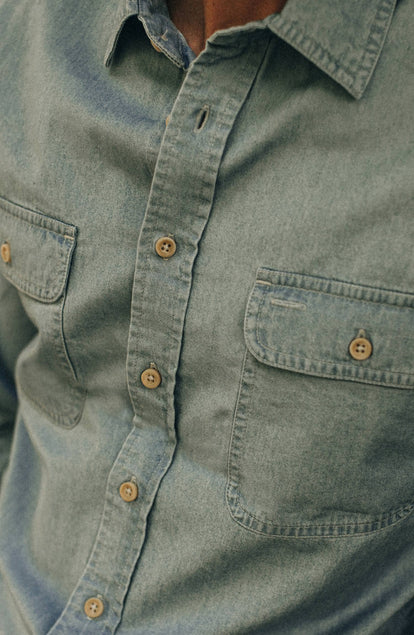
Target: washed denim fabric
[(274, 470)]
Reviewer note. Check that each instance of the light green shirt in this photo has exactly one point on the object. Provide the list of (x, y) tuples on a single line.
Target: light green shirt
[(206, 321)]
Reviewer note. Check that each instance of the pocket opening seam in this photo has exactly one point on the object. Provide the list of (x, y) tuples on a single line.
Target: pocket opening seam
[(354, 368), (406, 296)]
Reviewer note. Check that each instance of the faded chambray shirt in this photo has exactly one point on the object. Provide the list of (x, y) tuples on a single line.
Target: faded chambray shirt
[(206, 312)]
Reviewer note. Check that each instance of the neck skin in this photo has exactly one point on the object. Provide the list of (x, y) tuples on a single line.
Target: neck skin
[(198, 19)]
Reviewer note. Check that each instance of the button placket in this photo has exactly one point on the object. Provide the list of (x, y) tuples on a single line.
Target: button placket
[(201, 134), (158, 307), (122, 532)]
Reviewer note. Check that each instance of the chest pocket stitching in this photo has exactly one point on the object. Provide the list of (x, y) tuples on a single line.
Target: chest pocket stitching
[(315, 359), (334, 522), (253, 312), (51, 243), (25, 229)]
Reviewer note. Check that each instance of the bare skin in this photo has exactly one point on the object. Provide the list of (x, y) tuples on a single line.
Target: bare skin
[(198, 19)]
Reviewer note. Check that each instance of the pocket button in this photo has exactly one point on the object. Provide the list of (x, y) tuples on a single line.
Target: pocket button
[(360, 348), (6, 253)]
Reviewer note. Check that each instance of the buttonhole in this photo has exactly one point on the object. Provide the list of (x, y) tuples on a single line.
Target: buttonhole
[(264, 282), (288, 304), (202, 118)]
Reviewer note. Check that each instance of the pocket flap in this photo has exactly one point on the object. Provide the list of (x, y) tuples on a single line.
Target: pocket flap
[(38, 251), (310, 325)]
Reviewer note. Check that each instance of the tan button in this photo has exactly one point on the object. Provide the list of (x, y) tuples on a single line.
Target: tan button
[(360, 348), (129, 491), (6, 253), (154, 46), (93, 607), (167, 121), (151, 378), (165, 247)]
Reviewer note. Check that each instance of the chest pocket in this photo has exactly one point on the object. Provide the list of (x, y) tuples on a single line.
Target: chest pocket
[(36, 256), (323, 437)]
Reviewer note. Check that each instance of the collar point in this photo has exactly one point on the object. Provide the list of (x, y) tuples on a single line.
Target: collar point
[(356, 91)]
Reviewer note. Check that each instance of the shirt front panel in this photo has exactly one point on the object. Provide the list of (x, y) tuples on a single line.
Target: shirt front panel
[(253, 472)]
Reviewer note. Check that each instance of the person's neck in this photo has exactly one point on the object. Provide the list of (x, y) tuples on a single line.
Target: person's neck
[(198, 19)]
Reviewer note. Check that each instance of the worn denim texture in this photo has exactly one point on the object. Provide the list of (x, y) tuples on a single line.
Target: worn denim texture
[(275, 471)]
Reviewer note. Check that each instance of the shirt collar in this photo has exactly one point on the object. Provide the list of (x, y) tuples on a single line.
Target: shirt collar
[(120, 12), (344, 39)]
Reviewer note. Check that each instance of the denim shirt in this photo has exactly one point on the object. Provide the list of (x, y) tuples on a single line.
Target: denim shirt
[(206, 321)]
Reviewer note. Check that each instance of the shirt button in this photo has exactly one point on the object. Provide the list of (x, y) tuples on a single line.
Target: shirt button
[(5, 252), (93, 607), (165, 247), (154, 46), (128, 491), (360, 348), (167, 121), (151, 378)]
